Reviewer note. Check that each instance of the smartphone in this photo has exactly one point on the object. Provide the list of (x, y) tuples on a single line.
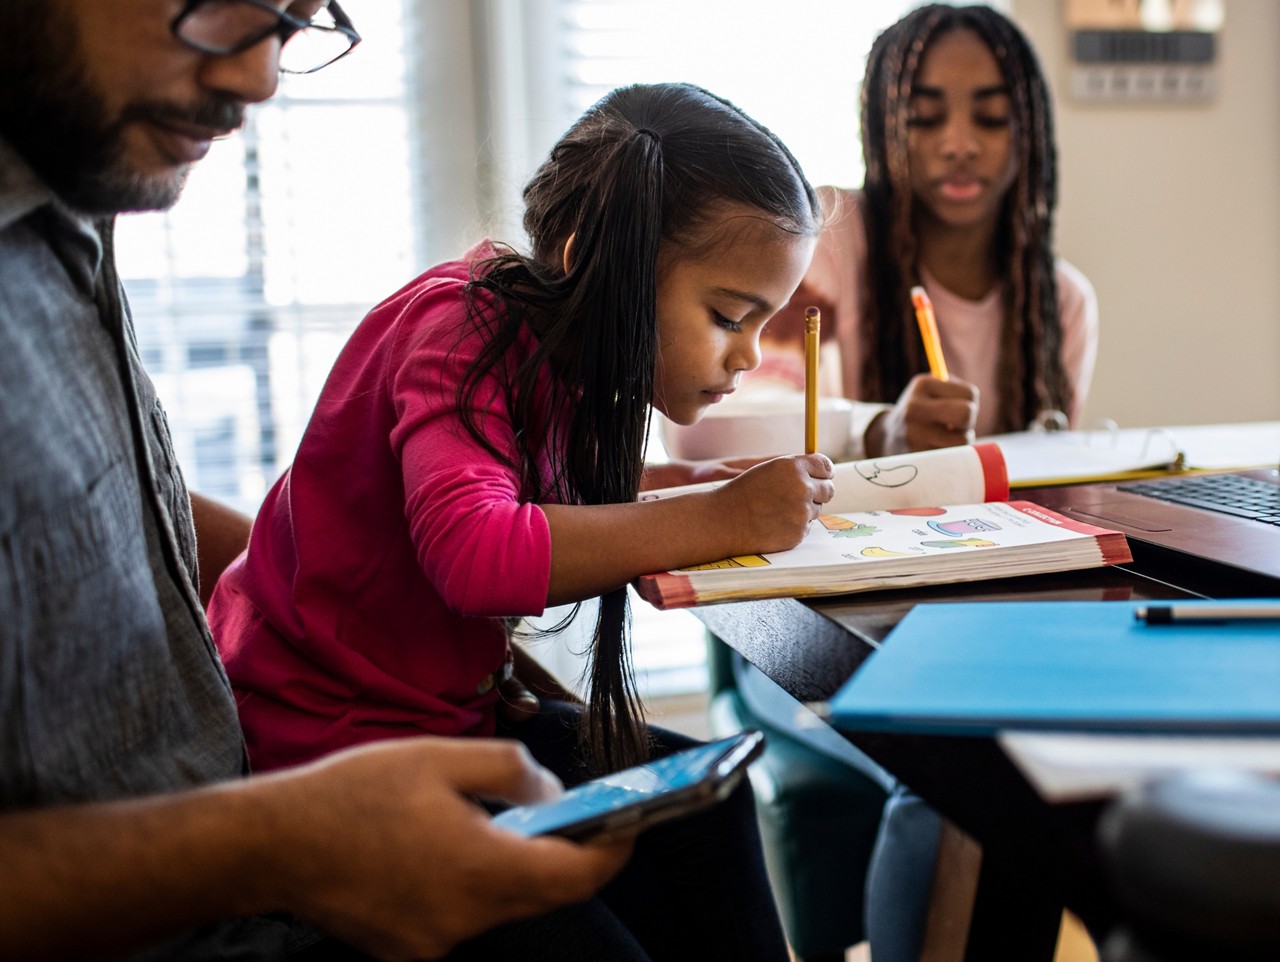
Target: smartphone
[(630, 801)]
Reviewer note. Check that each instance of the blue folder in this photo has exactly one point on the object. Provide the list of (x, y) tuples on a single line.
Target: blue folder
[(976, 668)]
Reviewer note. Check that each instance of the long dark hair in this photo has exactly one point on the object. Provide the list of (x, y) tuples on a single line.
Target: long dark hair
[(642, 173), (1030, 372)]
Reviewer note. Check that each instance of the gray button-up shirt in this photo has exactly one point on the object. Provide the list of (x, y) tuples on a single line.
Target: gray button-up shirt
[(110, 686)]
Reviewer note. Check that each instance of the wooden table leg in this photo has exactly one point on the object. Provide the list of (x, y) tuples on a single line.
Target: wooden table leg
[(951, 897)]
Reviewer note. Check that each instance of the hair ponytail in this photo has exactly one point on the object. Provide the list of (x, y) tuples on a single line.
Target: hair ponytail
[(614, 273)]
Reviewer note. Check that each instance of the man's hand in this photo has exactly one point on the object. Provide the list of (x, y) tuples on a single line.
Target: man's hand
[(382, 846), (384, 849)]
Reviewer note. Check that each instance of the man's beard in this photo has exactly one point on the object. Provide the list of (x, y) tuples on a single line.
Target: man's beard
[(50, 113)]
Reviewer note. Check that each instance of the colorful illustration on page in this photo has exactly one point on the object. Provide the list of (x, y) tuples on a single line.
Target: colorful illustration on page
[(963, 526), (742, 561), (839, 527), (963, 543), (877, 552)]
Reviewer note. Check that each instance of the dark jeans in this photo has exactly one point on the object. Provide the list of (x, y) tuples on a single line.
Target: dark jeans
[(900, 877)]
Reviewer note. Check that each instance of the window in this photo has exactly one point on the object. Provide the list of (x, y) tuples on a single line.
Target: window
[(797, 68), (286, 235)]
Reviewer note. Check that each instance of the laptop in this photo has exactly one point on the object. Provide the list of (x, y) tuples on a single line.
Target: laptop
[(1224, 526)]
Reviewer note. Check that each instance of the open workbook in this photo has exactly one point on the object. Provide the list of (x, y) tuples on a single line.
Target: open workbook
[(934, 517)]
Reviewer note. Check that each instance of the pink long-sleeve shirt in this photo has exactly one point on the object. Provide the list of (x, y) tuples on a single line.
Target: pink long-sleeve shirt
[(369, 600)]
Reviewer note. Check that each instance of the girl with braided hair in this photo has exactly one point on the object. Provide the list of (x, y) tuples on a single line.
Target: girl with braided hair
[(958, 197), (475, 457)]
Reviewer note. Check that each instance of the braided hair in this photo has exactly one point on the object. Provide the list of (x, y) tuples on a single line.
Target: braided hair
[(1030, 371), (642, 175)]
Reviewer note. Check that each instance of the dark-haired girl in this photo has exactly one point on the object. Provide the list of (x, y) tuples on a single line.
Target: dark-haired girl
[(959, 196), (476, 455)]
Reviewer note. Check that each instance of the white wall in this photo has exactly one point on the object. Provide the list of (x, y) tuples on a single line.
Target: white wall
[(1174, 213)]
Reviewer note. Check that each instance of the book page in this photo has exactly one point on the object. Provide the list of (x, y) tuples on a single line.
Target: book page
[(856, 539), (959, 475)]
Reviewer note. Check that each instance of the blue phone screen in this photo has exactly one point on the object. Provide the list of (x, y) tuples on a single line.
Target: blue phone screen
[(615, 791)]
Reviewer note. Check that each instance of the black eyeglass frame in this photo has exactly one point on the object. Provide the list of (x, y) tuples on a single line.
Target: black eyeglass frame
[(286, 26)]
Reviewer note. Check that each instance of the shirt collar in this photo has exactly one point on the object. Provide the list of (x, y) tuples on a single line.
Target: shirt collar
[(22, 193)]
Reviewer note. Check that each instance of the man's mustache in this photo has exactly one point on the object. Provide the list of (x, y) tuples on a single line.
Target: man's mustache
[(221, 115)]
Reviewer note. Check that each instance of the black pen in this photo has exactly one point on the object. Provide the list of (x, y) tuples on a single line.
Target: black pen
[(1175, 614)]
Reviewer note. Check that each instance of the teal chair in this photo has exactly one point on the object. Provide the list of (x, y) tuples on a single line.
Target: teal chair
[(819, 813)]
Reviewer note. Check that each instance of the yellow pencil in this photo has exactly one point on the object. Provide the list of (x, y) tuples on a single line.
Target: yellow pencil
[(929, 332), (812, 325)]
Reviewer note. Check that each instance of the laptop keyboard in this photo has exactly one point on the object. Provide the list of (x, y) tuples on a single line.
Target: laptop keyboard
[(1225, 493)]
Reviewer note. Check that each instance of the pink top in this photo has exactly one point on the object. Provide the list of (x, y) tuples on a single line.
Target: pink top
[(970, 330), (366, 605)]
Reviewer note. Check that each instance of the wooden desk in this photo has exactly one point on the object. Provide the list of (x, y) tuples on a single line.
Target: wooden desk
[(1037, 857)]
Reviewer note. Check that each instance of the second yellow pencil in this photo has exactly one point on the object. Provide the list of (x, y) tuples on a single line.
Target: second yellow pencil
[(929, 332)]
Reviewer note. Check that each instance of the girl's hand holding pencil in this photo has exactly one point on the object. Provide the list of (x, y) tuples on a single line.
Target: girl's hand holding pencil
[(769, 507)]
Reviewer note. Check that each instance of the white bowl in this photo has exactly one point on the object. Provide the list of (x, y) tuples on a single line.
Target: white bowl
[(759, 427)]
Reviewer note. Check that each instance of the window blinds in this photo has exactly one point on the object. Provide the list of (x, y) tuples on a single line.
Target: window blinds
[(286, 235)]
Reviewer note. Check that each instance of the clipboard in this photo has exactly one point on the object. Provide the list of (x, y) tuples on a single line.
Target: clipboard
[(1043, 458), (1048, 454)]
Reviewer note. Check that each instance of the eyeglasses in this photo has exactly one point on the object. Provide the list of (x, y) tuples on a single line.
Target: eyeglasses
[(226, 27)]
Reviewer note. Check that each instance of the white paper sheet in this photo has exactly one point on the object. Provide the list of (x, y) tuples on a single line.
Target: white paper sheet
[(1068, 766)]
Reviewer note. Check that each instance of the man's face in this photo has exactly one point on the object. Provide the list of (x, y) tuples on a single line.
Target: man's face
[(108, 107)]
